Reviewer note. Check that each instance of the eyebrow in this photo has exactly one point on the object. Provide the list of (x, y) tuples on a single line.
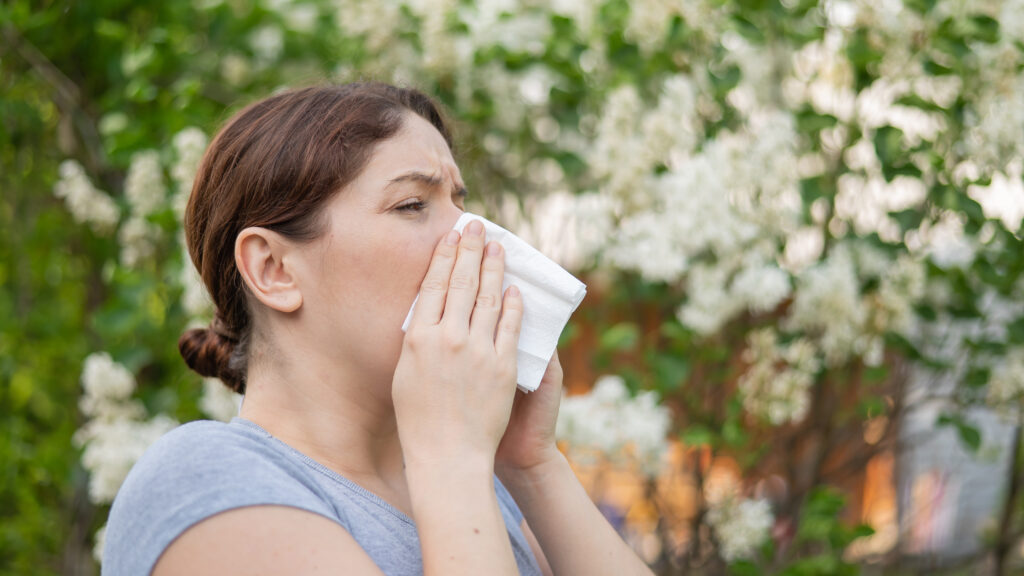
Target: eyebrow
[(427, 179)]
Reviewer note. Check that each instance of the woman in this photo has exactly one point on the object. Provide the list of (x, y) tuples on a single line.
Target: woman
[(316, 218)]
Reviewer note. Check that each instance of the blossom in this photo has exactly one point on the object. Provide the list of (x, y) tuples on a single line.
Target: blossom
[(144, 184), (776, 386), (137, 237), (104, 378), (115, 434), (267, 44), (100, 541), (828, 304), (1006, 384), (901, 288), (708, 305), (87, 204), (608, 421), (218, 401), (761, 287), (194, 297), (111, 448), (189, 146), (740, 526)]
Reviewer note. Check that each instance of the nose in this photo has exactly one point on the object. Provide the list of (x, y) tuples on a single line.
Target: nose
[(450, 215)]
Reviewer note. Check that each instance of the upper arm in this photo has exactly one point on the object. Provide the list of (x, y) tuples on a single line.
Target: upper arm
[(265, 540), (542, 560)]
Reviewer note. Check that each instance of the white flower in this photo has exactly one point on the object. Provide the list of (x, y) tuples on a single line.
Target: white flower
[(235, 68), (709, 305), (111, 448), (901, 288), (102, 378), (1011, 20), (87, 204), (267, 43), (194, 298), (218, 401), (607, 421), (376, 21), (1006, 384), (189, 146), (138, 240), (761, 287), (741, 526), (828, 304), (672, 128), (100, 541), (144, 185), (776, 385), (947, 244)]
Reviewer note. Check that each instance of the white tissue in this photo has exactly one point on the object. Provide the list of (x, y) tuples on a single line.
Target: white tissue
[(550, 296)]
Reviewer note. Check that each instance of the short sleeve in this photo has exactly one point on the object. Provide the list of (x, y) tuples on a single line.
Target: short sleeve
[(193, 472), (506, 501)]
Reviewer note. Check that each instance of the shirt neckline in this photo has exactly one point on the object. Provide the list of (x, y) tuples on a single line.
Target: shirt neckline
[(351, 485)]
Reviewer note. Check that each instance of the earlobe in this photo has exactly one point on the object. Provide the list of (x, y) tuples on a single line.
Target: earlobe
[(261, 257)]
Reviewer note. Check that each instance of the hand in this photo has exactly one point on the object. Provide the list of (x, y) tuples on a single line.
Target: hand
[(455, 380), (529, 439)]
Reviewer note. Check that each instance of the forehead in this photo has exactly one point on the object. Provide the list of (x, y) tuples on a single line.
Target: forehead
[(417, 146)]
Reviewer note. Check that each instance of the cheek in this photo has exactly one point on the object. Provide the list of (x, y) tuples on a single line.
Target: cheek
[(394, 270)]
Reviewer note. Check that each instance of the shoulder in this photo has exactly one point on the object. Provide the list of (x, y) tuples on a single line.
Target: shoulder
[(195, 471)]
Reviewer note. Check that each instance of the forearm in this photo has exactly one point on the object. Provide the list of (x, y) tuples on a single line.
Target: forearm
[(575, 536), (459, 521)]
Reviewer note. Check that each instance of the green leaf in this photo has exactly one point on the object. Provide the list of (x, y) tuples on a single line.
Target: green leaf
[(619, 337), (888, 144), (697, 435)]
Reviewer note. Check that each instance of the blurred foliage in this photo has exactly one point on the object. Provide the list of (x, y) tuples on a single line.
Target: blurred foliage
[(99, 81)]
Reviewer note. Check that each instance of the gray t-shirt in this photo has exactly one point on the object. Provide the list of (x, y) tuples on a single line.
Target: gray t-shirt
[(205, 467)]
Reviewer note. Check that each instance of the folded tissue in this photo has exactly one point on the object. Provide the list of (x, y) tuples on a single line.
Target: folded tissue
[(550, 296)]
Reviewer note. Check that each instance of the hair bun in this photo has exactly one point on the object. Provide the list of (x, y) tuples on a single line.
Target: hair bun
[(211, 354)]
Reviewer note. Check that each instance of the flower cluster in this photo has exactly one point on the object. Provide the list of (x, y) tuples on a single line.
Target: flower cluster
[(777, 383), (146, 193), (87, 204), (607, 421), (116, 433), (218, 401), (1006, 385), (189, 146), (740, 525)]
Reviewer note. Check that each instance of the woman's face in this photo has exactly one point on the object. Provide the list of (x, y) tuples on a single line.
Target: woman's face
[(362, 275)]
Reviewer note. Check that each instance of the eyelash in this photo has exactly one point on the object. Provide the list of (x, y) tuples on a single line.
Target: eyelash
[(420, 205), (413, 206)]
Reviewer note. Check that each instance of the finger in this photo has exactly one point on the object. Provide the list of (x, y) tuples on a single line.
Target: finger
[(488, 298), (434, 289), (510, 323), (465, 280)]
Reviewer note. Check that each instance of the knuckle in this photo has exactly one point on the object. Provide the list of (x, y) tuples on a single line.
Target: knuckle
[(414, 339), (510, 326), (455, 340), (433, 285), (489, 301), (461, 281)]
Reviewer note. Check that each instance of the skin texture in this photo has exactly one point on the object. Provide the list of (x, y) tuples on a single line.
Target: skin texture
[(332, 375)]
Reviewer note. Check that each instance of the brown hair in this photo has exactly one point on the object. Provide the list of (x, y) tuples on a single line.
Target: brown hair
[(274, 165)]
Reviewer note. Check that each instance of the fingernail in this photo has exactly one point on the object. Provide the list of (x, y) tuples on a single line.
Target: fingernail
[(452, 237), (475, 228), (493, 249), (513, 291)]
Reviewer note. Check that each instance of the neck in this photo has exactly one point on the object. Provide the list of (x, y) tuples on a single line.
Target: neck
[(330, 415)]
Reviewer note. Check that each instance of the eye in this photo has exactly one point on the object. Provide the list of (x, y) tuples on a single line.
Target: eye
[(416, 206)]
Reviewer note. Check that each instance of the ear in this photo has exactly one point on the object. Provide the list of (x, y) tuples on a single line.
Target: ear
[(263, 257)]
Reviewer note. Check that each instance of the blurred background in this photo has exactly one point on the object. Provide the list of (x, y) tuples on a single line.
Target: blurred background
[(802, 350)]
